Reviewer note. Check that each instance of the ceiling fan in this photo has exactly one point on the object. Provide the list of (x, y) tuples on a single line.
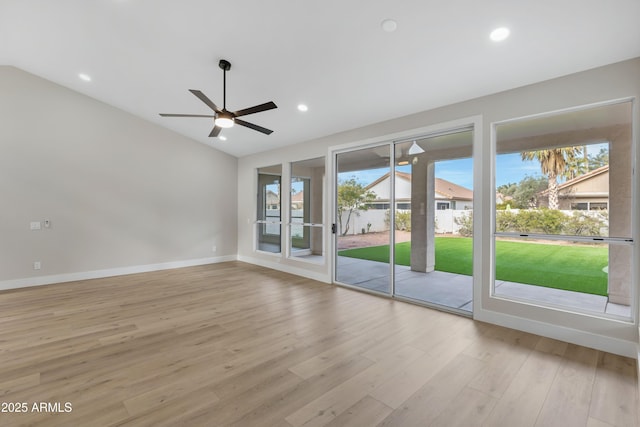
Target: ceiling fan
[(225, 118)]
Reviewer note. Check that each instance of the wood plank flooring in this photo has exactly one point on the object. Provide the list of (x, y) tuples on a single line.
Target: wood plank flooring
[(234, 344)]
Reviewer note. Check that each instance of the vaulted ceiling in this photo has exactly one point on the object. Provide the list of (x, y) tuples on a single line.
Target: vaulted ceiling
[(334, 56)]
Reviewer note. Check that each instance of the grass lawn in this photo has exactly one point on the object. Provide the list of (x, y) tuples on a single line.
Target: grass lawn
[(573, 268)]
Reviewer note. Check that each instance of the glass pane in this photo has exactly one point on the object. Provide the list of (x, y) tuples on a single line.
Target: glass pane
[(306, 242), (567, 174), (306, 208), (268, 226), (433, 220), (563, 273), (363, 234)]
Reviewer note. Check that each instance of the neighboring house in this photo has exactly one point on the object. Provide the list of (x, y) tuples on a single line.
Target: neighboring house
[(587, 192), (273, 200), (297, 200), (447, 194), (452, 196)]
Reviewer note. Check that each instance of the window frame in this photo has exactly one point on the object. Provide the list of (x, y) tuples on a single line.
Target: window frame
[(608, 239)]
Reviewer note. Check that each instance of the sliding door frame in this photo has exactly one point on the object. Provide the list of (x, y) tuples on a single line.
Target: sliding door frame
[(481, 184)]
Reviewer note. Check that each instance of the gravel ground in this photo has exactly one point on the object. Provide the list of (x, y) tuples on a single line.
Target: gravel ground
[(370, 239)]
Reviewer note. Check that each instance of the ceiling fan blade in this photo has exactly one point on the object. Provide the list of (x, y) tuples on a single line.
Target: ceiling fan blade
[(254, 127), (204, 99), (186, 115), (215, 131), (256, 109)]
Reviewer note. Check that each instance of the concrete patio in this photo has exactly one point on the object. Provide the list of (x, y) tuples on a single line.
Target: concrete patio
[(454, 291)]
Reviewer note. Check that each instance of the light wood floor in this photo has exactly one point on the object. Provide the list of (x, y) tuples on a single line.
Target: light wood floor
[(235, 344)]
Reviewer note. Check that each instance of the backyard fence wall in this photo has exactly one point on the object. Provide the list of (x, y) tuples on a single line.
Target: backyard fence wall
[(447, 220)]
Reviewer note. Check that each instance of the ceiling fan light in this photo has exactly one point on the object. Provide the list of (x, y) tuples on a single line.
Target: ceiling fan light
[(415, 149), (224, 120)]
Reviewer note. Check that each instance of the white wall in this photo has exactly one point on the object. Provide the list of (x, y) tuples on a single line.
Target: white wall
[(360, 220), (402, 191), (446, 220), (120, 192), (615, 81)]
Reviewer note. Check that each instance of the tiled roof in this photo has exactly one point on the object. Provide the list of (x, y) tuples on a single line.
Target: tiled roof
[(453, 191), (297, 197), (443, 187)]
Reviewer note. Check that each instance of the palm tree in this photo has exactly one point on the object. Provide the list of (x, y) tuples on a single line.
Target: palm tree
[(553, 163), (576, 167)]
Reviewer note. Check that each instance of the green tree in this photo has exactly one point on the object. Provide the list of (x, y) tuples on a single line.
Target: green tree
[(507, 189), (576, 167), (553, 163), (598, 160), (526, 192), (352, 198)]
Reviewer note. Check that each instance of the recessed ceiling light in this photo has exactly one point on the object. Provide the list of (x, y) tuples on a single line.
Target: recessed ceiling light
[(303, 107), (222, 137), (499, 34), (85, 77), (389, 25)]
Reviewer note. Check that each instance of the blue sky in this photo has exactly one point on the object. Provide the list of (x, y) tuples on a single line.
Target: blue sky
[(458, 171), (509, 168)]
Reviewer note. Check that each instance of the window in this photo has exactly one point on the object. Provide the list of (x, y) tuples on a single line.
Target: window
[(306, 210), (268, 218), (589, 206), (595, 206), (565, 241), (404, 206), (378, 206), (442, 206)]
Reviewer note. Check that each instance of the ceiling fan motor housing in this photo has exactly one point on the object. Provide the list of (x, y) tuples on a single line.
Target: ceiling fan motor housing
[(224, 64)]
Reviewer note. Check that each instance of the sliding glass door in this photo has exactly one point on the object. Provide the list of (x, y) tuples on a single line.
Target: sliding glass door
[(403, 220), (433, 220), (362, 226)]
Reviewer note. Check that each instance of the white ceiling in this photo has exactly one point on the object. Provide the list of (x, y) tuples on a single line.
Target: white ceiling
[(143, 55)]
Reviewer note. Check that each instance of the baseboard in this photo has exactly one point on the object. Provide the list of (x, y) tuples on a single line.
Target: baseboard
[(562, 333), (324, 278), (98, 274)]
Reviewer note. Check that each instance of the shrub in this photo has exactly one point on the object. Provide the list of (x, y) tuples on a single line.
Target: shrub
[(550, 221), (506, 221), (403, 220), (466, 224), (581, 224), (526, 221)]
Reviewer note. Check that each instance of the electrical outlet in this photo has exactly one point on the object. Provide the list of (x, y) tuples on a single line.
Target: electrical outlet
[(35, 225), (37, 265), (214, 248), (47, 223)]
